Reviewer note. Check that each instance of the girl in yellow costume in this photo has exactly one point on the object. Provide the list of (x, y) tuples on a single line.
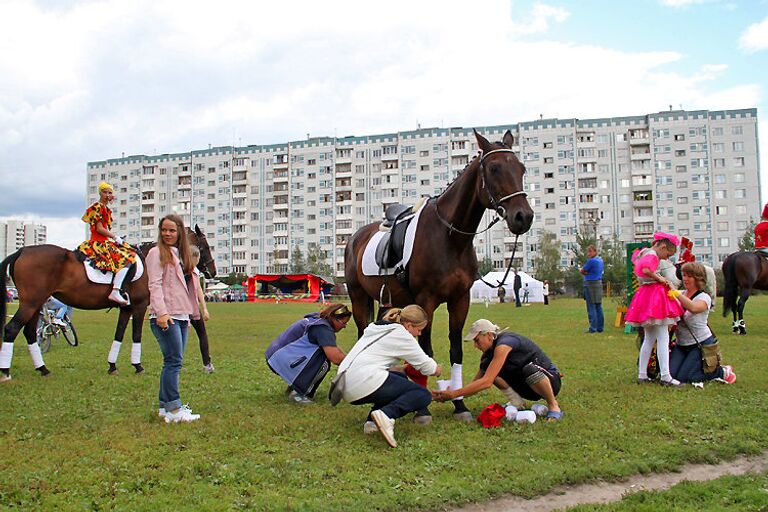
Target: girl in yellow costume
[(105, 250)]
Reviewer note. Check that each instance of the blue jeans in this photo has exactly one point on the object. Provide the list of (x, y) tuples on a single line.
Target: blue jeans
[(685, 363), (594, 313), (172, 342), (397, 397)]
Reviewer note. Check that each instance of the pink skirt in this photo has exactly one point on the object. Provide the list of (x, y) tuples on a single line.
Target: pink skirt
[(652, 306)]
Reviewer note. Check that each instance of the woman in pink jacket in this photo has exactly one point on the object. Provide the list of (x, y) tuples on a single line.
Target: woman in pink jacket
[(171, 306)]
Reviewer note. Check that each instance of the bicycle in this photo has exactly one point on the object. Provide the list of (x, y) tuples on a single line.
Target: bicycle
[(50, 327)]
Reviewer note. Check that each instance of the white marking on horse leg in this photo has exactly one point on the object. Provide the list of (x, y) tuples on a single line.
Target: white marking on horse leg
[(114, 352), (6, 355), (36, 354), (136, 353)]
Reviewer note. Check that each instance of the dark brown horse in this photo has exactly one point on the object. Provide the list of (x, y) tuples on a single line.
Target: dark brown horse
[(443, 264), (44, 270), (743, 271)]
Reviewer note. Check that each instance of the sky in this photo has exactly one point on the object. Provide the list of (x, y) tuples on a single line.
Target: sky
[(84, 81)]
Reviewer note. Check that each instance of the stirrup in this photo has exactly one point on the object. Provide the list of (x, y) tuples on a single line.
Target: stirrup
[(382, 302)]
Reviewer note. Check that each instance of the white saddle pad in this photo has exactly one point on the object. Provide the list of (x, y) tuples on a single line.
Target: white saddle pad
[(371, 268), (99, 277)]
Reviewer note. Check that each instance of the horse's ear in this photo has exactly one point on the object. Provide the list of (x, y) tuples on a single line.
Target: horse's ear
[(508, 139), (197, 230), (482, 142)]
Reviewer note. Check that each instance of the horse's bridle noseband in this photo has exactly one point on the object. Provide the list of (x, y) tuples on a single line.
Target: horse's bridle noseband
[(496, 204)]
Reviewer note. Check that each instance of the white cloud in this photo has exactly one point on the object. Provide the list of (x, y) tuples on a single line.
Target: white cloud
[(755, 38), (102, 78), (683, 3), (67, 232), (539, 19)]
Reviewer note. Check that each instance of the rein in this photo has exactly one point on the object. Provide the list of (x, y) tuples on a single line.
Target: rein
[(501, 213)]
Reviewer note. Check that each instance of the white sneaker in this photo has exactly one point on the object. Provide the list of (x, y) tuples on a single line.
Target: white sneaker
[(57, 321), (181, 416), (208, 368), (161, 412), (697, 385), (370, 428), (386, 427)]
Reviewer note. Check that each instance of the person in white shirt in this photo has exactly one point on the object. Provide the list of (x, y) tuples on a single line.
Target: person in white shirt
[(685, 358), (368, 379)]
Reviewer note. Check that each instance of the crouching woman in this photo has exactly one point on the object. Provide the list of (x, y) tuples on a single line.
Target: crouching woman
[(515, 364), (303, 353), (368, 379)]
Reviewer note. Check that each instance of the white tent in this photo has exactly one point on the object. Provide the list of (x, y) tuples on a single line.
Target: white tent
[(216, 287), (481, 292)]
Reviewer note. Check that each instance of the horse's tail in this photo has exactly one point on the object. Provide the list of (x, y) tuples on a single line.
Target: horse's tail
[(731, 291), (4, 266)]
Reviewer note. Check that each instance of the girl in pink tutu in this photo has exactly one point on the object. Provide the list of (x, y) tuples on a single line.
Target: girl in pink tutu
[(652, 309)]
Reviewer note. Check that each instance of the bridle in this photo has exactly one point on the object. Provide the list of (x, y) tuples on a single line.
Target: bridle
[(501, 212), (496, 203)]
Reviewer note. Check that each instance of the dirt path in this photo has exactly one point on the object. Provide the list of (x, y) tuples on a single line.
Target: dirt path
[(570, 496)]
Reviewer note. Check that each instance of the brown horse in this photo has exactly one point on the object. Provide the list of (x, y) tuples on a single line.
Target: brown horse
[(743, 271), (44, 270), (443, 264)]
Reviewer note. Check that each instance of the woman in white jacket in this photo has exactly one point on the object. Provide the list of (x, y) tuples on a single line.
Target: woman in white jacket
[(368, 379)]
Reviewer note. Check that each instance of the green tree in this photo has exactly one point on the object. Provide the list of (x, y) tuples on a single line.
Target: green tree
[(547, 260), (297, 263), (485, 266), (234, 278), (614, 254), (317, 262), (574, 281), (747, 240)]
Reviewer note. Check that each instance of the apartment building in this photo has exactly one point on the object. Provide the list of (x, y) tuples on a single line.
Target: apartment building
[(15, 234), (694, 173)]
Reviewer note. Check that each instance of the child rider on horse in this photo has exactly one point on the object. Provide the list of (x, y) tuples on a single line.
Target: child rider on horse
[(105, 250), (761, 233)]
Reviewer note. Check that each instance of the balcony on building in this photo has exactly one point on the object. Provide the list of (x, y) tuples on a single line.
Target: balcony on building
[(389, 153), (343, 168), (239, 176), (239, 204), (344, 185), (280, 161), (642, 197), (343, 157), (240, 164), (148, 197), (239, 191), (280, 175), (460, 147), (280, 202), (185, 182), (585, 140), (184, 169), (639, 136)]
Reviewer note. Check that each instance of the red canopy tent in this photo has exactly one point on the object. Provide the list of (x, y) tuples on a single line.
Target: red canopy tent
[(287, 287)]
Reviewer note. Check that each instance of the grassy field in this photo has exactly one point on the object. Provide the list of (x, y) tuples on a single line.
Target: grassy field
[(80, 439)]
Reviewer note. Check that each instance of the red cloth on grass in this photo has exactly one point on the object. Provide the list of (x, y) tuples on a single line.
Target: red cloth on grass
[(491, 416)]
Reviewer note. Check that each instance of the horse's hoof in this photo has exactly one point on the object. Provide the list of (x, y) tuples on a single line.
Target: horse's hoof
[(4, 377), (742, 332), (465, 416), (423, 419), (43, 371), (112, 371), (139, 368)]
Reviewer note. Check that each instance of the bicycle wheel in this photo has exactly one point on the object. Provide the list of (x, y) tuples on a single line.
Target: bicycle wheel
[(69, 333), (45, 334)]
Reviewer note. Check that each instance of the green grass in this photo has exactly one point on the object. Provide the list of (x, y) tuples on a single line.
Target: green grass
[(742, 493), (80, 439)]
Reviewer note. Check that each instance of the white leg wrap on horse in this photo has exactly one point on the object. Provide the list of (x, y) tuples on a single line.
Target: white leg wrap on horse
[(114, 352), (135, 353), (514, 397), (37, 356), (456, 380), (6, 354)]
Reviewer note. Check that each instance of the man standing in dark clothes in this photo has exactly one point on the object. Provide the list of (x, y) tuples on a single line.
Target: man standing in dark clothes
[(518, 283)]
